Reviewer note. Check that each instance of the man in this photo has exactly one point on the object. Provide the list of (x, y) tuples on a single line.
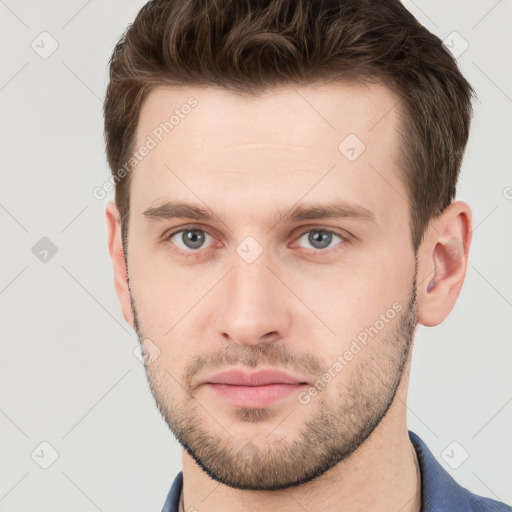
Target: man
[(284, 218)]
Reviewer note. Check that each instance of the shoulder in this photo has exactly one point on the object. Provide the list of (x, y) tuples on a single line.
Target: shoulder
[(488, 505), (441, 493)]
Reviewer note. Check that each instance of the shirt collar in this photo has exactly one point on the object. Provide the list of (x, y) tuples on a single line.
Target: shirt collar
[(439, 491)]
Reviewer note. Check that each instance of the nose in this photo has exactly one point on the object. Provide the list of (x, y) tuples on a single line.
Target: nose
[(254, 304)]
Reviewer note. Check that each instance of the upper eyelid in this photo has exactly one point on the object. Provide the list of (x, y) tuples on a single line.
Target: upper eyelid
[(173, 232)]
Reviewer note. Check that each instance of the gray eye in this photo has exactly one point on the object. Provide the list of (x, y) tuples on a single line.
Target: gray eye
[(190, 238), (320, 238)]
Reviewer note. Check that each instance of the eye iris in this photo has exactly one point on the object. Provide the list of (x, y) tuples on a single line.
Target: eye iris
[(320, 237), (193, 238)]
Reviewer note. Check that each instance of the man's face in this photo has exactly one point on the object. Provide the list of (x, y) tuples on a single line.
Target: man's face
[(327, 300)]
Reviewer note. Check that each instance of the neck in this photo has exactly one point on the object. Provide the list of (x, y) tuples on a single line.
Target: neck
[(381, 476)]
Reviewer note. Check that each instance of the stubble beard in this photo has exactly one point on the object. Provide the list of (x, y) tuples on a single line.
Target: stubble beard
[(334, 431)]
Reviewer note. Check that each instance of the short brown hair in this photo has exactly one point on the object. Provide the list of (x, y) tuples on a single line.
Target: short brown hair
[(248, 46)]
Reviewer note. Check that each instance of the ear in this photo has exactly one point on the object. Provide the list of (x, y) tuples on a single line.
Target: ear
[(442, 263), (115, 247)]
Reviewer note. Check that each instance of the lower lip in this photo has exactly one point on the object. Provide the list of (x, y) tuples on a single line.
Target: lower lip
[(254, 396)]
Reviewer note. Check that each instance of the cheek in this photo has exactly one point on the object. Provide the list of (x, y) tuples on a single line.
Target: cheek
[(364, 296), (164, 292), (170, 303)]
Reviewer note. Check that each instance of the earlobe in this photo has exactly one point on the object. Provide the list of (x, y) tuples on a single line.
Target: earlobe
[(115, 246), (443, 259)]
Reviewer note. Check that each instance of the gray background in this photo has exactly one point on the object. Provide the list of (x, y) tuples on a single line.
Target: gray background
[(69, 376)]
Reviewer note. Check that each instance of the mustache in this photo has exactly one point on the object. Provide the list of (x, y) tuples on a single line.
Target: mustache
[(270, 353)]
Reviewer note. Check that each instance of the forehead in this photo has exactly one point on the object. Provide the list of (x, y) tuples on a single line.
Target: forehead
[(305, 114), (209, 143)]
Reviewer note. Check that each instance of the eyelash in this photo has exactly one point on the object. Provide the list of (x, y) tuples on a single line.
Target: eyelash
[(196, 253)]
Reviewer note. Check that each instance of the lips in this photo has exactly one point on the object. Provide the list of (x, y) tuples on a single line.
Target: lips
[(253, 389), (260, 378)]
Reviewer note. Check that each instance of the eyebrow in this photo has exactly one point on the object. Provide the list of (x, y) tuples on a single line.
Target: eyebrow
[(332, 210)]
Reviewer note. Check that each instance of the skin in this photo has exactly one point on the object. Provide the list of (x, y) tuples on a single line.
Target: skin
[(297, 306)]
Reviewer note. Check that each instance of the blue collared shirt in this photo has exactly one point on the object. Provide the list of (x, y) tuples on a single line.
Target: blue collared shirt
[(439, 491)]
